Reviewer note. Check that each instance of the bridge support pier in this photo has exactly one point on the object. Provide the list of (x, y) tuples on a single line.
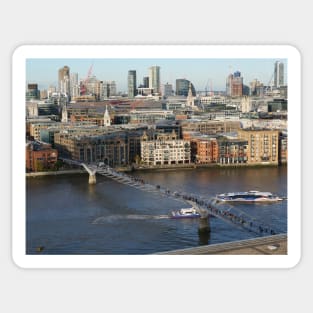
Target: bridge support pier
[(204, 225), (204, 230), (92, 174), (92, 179), (204, 220)]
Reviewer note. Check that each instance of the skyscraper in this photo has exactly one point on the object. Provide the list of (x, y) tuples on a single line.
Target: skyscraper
[(154, 79), (132, 85), (278, 74), (112, 88), (107, 89), (74, 85), (234, 85), (64, 80), (229, 81), (237, 85)]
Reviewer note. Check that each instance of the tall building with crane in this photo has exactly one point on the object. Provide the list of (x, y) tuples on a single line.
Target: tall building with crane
[(84, 83)]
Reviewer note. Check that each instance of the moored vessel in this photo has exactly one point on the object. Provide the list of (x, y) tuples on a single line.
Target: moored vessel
[(248, 196)]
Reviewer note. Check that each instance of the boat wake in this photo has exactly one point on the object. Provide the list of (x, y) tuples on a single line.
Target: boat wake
[(113, 218)]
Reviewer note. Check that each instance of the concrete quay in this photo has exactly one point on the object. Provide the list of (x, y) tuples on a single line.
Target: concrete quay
[(269, 245), (54, 173)]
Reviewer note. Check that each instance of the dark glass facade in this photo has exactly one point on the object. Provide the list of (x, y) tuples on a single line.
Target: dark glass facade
[(132, 85), (182, 87)]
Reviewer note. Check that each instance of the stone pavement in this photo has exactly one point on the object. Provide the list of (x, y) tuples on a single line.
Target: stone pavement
[(270, 245)]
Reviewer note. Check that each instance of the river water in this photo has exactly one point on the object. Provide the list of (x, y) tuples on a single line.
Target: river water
[(66, 215)]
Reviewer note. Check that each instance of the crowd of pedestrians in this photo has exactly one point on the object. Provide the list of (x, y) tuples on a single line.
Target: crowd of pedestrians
[(209, 206)]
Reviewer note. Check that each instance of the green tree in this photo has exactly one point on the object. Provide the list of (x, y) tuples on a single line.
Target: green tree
[(57, 165), (39, 167)]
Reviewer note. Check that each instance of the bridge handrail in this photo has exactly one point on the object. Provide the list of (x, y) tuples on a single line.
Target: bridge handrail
[(204, 206)]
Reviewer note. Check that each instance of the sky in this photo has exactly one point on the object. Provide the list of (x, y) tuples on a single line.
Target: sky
[(203, 73)]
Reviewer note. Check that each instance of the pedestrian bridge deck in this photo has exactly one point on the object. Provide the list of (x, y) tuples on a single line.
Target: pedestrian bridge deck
[(205, 206)]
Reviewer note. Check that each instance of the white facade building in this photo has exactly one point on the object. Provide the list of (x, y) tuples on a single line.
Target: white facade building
[(165, 150), (246, 105), (213, 99)]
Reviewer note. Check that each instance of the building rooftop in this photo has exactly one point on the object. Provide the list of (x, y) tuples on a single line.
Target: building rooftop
[(37, 145)]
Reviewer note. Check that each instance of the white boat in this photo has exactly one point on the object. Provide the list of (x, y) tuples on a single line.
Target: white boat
[(185, 213), (248, 196)]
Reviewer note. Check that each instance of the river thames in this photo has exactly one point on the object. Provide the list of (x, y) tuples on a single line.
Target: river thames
[(66, 215)]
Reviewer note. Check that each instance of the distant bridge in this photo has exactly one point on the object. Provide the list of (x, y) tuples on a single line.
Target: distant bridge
[(206, 207)]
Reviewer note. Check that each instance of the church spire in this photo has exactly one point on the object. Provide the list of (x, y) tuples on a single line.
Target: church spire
[(64, 114), (189, 91), (190, 98), (106, 117)]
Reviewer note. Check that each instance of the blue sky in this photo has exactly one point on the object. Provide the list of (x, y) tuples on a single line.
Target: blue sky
[(201, 72)]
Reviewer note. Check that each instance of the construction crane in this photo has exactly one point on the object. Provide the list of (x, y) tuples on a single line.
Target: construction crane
[(83, 85), (206, 87)]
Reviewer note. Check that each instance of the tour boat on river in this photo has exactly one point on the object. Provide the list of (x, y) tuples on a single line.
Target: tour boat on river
[(248, 196), (185, 213)]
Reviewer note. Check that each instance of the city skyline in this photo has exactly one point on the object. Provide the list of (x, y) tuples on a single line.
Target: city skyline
[(203, 73)]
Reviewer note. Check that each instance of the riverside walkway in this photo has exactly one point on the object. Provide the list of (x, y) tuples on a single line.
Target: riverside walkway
[(205, 206), (269, 245)]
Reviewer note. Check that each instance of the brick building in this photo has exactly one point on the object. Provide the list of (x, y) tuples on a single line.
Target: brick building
[(113, 148), (263, 145), (204, 150), (40, 156)]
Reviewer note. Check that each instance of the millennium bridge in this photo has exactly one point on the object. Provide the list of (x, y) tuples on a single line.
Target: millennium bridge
[(207, 207)]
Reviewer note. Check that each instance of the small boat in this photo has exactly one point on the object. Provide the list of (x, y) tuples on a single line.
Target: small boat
[(185, 213), (248, 196)]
